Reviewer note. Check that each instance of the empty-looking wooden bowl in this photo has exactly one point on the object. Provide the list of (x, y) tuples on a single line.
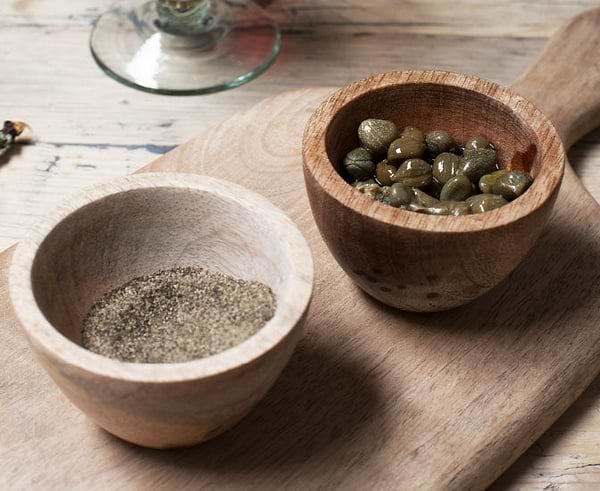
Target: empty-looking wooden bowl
[(419, 262), (134, 226)]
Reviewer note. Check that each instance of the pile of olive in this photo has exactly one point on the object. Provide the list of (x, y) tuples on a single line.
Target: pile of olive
[(430, 173)]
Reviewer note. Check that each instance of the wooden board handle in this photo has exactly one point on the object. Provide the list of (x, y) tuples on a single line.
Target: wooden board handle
[(565, 81)]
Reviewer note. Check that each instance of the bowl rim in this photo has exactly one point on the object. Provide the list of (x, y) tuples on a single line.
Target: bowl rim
[(317, 164), (291, 307)]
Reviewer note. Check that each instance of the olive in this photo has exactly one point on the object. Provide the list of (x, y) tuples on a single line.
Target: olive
[(415, 173), (458, 188), (478, 142), (405, 148), (476, 163), (421, 198), (359, 164), (369, 188), (414, 133), (376, 135), (485, 202), (512, 184), (385, 173), (439, 141), (486, 182), (397, 195), (445, 167)]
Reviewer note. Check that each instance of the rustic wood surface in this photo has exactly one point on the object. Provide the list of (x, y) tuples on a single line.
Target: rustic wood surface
[(444, 401), (89, 128)]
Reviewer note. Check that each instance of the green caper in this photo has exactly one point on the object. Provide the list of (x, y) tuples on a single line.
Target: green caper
[(439, 141), (415, 173), (405, 148), (359, 164), (478, 142), (421, 198), (477, 151), (397, 195), (369, 188), (376, 135), (512, 184), (360, 184), (425, 210), (385, 173), (430, 174), (486, 182), (458, 188), (455, 208), (477, 163), (434, 189), (382, 196), (485, 202), (458, 208), (414, 133), (445, 167)]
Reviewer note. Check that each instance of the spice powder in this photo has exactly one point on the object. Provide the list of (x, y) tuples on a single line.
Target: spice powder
[(177, 315)]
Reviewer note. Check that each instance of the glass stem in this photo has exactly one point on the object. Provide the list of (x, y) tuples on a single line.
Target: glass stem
[(187, 17)]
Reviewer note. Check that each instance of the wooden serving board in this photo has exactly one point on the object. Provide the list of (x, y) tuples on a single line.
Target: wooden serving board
[(373, 398)]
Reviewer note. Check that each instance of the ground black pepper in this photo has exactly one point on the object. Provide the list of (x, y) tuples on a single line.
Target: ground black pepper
[(177, 315)]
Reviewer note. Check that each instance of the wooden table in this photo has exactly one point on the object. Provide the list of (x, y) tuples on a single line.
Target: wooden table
[(89, 128)]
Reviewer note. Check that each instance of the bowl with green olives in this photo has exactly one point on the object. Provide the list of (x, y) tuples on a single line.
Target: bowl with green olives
[(430, 187)]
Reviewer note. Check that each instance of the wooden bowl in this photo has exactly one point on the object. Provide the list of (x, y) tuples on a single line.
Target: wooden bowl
[(101, 238), (419, 262)]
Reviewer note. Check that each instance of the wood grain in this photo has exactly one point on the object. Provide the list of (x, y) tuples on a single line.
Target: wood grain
[(565, 82), (132, 227), (374, 396), (89, 128), (450, 408), (413, 261)]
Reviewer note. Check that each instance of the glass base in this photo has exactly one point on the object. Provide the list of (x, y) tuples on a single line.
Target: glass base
[(226, 46)]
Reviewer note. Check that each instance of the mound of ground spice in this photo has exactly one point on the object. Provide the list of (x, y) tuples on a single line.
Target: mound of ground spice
[(177, 315)]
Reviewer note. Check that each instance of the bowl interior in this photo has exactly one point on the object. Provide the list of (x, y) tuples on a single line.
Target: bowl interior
[(131, 233), (460, 111)]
